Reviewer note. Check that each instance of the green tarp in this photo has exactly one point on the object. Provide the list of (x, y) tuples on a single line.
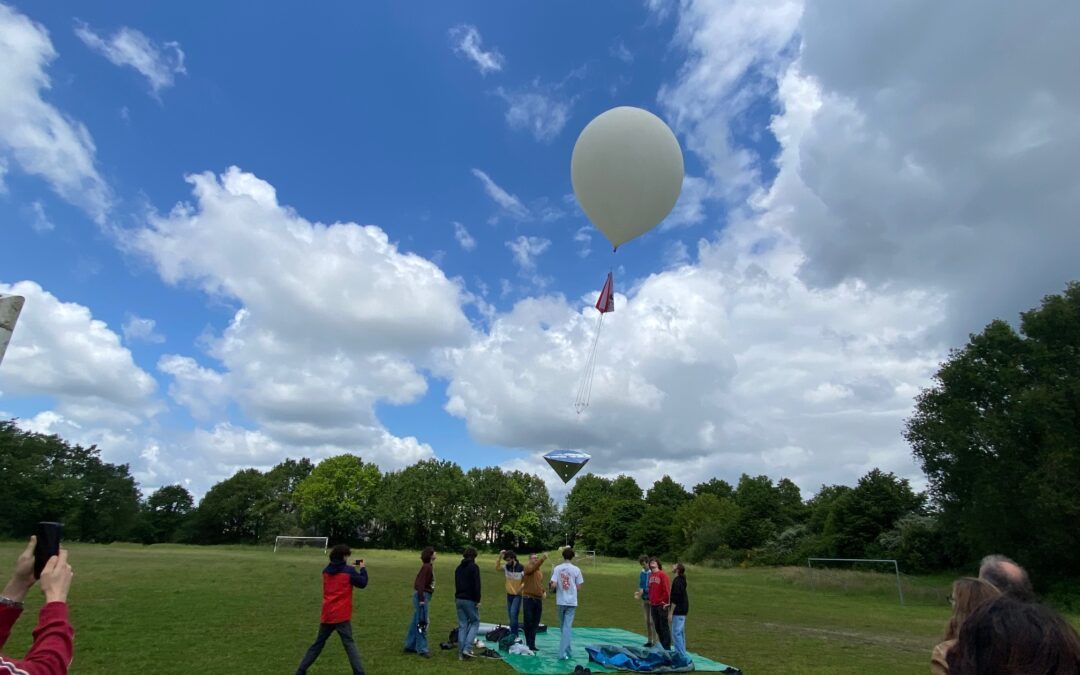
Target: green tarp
[(547, 661)]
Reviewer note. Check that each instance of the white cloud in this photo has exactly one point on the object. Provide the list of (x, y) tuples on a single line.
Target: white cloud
[(59, 350), (463, 237), (702, 372), (333, 320), (40, 222), (526, 249), (796, 342), (139, 328), (37, 137), (540, 110), (203, 391), (620, 51), (159, 64), (584, 237), (690, 208), (467, 42), (508, 203), (734, 51)]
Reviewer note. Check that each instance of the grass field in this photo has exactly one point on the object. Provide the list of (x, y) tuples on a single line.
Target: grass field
[(180, 609)]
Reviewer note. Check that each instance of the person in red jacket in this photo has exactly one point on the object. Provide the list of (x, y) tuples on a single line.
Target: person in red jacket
[(338, 581), (51, 651), (659, 599)]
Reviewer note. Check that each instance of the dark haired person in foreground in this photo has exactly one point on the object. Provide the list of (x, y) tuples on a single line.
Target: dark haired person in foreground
[(423, 587), (1007, 635), (678, 609), (51, 651), (338, 581)]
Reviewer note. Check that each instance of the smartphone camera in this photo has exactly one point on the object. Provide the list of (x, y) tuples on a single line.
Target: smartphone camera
[(48, 544)]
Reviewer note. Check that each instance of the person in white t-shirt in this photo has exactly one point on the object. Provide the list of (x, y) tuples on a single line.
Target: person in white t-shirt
[(566, 580)]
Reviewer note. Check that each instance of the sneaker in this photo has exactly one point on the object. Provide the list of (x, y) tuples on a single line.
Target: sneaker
[(468, 654), (647, 645), (425, 655)]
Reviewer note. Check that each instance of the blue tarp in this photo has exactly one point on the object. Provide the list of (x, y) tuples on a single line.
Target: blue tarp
[(638, 659)]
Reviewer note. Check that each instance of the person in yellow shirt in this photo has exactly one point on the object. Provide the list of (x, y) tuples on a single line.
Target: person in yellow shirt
[(508, 564), (533, 593)]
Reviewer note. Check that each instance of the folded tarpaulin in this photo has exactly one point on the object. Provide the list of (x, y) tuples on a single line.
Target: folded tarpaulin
[(639, 660)]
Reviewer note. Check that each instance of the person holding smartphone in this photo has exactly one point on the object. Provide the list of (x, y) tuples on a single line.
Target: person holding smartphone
[(339, 578), (52, 649)]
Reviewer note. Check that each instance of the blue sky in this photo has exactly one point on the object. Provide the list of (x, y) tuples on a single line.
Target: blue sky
[(443, 124)]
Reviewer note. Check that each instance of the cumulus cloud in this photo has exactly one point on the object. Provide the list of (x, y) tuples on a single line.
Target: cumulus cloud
[(59, 350), (467, 42), (795, 344), (508, 203), (333, 319), (34, 134), (159, 64)]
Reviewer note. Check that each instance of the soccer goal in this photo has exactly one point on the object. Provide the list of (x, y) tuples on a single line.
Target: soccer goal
[(300, 542), (896, 568), (591, 555)]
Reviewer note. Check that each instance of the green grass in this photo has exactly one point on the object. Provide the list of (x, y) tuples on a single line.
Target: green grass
[(179, 609)]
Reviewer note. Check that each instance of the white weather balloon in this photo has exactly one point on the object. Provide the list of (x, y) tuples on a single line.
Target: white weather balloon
[(627, 172)]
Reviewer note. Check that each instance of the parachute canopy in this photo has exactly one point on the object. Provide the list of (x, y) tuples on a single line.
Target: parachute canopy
[(627, 172), (567, 463)]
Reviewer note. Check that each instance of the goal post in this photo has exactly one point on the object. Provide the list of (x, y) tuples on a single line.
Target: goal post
[(896, 568), (297, 542)]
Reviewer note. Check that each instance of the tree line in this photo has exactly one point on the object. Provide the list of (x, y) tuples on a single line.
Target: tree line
[(997, 434)]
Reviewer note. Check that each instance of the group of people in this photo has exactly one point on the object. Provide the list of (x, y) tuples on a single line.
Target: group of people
[(525, 594), (998, 627), (665, 604)]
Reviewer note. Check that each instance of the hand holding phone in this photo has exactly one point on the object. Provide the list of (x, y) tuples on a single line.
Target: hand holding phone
[(48, 545)]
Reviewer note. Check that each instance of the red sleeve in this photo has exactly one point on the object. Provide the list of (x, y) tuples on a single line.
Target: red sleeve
[(665, 589), (8, 616), (52, 648)]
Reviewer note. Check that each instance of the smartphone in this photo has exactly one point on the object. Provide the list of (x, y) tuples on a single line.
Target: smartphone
[(359, 561), (48, 544)]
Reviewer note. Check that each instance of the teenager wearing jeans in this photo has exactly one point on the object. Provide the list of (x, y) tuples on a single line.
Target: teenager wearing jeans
[(680, 606), (507, 563), (566, 581), (423, 587), (659, 599), (467, 602)]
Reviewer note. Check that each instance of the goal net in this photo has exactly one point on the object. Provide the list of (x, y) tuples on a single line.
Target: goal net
[(873, 562), (300, 542)]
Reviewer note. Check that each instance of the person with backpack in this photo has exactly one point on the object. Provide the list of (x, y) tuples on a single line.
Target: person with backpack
[(659, 600), (507, 563), (566, 581), (423, 587), (467, 602), (339, 579), (679, 608)]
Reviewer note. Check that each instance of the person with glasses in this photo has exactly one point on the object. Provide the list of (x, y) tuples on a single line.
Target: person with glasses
[(968, 594)]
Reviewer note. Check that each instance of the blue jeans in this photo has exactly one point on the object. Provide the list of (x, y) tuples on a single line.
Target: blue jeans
[(566, 625), (415, 640), (678, 633), (513, 607), (344, 631), (468, 618)]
